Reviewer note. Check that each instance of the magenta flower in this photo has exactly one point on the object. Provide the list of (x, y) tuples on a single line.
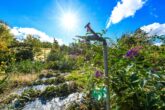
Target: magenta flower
[(133, 52), (98, 74)]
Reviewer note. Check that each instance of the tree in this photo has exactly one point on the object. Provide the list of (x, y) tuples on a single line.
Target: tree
[(5, 37), (5, 40), (34, 41), (46, 45)]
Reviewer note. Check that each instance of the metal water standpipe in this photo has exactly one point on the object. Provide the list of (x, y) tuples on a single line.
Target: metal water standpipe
[(95, 36)]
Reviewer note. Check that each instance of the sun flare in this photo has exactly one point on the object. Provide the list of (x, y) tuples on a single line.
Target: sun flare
[(69, 21)]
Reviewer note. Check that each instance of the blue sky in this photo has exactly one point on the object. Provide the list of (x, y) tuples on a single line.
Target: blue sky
[(44, 15)]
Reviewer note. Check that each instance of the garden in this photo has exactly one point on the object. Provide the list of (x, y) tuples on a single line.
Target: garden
[(72, 76)]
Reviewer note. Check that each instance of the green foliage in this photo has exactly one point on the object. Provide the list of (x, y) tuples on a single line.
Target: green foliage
[(29, 66), (26, 66), (26, 96), (38, 66), (86, 104), (57, 61), (137, 83), (59, 79), (6, 57), (24, 55), (50, 92), (35, 42), (3, 83), (46, 45), (5, 40), (59, 91), (21, 51), (90, 84), (9, 99), (53, 56), (5, 37), (80, 78)]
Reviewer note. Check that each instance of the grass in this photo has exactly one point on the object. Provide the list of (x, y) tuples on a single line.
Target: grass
[(23, 78), (80, 78), (18, 80)]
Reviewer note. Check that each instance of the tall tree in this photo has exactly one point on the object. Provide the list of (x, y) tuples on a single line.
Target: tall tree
[(34, 41), (5, 37)]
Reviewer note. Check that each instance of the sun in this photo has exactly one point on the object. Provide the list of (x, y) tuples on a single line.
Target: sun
[(69, 21)]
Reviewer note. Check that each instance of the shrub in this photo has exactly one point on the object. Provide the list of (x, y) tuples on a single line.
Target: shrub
[(58, 91), (49, 92), (54, 56), (26, 96), (79, 78), (25, 66), (55, 81), (24, 55), (10, 98), (3, 83), (38, 66), (64, 64), (136, 81), (52, 65)]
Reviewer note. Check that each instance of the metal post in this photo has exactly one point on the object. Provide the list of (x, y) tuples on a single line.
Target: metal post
[(106, 74), (96, 37)]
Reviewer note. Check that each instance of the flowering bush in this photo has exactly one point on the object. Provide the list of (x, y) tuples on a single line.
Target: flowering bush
[(137, 84), (133, 52), (137, 79)]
